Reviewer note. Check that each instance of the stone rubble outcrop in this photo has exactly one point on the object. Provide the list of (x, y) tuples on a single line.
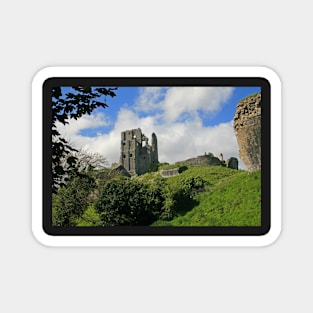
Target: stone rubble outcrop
[(208, 159), (169, 173), (247, 126)]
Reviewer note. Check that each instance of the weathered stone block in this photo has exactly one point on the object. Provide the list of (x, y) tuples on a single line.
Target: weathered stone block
[(170, 173), (247, 125), (232, 163)]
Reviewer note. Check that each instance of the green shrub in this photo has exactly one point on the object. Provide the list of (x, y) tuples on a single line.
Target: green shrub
[(129, 202), (182, 168), (193, 185), (154, 168), (71, 200), (89, 218)]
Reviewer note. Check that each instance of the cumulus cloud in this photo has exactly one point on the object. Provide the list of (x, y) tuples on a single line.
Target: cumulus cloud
[(183, 141), (85, 122), (189, 100), (182, 102), (177, 140), (150, 98)]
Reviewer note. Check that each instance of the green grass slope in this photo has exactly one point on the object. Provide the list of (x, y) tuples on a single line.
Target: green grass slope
[(231, 198), (227, 198)]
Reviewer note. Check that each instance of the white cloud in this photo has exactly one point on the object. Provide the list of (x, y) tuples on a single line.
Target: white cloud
[(149, 98), (179, 100), (85, 122), (183, 141)]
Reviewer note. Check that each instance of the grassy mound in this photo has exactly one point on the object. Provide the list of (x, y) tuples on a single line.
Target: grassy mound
[(198, 196), (232, 198)]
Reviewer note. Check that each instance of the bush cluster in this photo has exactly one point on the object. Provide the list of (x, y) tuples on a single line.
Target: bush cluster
[(72, 200), (131, 202), (122, 201)]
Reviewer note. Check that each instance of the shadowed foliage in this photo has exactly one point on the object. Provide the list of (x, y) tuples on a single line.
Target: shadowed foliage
[(65, 106)]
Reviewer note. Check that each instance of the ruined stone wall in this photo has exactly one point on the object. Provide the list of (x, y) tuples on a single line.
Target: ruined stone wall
[(170, 173), (202, 160), (154, 149), (130, 139), (247, 125), (136, 153), (144, 160)]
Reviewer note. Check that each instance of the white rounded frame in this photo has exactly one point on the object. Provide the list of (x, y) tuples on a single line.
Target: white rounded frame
[(156, 241)]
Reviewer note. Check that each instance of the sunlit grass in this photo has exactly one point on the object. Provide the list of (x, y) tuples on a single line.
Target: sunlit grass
[(232, 199)]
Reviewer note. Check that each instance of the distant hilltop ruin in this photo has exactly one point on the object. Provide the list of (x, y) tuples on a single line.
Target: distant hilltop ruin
[(137, 155), (210, 160), (247, 126)]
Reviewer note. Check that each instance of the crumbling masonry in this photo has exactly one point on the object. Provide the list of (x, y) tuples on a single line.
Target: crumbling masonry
[(247, 125), (137, 155)]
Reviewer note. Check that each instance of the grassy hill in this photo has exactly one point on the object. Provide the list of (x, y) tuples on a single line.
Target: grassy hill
[(223, 197), (231, 198)]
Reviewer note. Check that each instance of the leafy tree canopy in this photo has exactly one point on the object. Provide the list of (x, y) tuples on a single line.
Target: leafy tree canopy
[(72, 200), (75, 103)]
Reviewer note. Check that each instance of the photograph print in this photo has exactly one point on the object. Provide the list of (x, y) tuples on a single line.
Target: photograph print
[(149, 157)]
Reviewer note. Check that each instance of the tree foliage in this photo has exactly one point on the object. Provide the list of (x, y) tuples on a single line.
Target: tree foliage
[(193, 185), (72, 200), (129, 202), (65, 106)]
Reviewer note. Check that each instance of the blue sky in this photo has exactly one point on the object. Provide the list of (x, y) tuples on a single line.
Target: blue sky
[(188, 121)]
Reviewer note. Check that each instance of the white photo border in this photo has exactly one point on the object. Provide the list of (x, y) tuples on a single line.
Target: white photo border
[(155, 241)]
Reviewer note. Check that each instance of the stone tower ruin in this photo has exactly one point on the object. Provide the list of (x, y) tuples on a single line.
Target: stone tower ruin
[(137, 155), (247, 125)]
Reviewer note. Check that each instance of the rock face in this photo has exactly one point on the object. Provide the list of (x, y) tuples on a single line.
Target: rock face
[(247, 125), (232, 163)]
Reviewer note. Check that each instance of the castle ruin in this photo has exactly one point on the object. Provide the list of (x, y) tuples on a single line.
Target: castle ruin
[(137, 155), (247, 125), (208, 159)]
